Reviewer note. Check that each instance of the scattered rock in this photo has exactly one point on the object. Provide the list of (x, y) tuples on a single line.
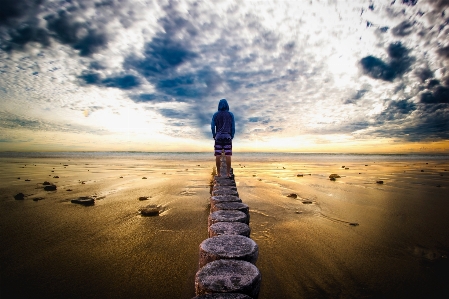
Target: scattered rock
[(422, 170), (84, 200), (346, 167), (18, 178), (144, 178), (366, 164), (143, 198), (19, 196), (379, 182), (121, 177), (334, 176), (66, 165), (50, 188), (292, 195), (332, 179), (353, 224), (68, 190), (149, 211), (56, 177), (46, 183), (439, 186), (299, 175), (27, 180), (307, 202), (343, 167), (254, 175), (38, 198)]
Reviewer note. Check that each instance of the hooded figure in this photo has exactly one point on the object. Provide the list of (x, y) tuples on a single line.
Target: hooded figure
[(223, 129)]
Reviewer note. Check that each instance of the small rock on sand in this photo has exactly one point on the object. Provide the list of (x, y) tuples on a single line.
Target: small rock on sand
[(299, 175), (50, 188), (19, 196), (46, 183), (334, 176), (292, 195), (149, 211), (144, 178), (84, 200), (379, 182), (143, 198)]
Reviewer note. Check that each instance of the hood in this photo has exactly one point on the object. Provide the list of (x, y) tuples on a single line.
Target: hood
[(223, 105)]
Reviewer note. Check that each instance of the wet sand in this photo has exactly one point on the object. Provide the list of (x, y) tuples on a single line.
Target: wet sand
[(349, 238)]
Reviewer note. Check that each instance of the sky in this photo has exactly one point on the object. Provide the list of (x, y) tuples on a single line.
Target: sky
[(299, 76)]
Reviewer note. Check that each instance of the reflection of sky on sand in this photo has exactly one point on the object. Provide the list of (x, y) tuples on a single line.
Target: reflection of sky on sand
[(397, 248), (308, 247)]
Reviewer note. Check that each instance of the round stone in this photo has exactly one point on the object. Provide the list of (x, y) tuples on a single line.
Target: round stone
[(223, 198), (227, 216), (228, 276), (225, 191), (234, 247), (223, 296), (231, 206), (229, 228)]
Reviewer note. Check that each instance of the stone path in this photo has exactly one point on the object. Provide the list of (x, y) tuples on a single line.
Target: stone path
[(227, 258)]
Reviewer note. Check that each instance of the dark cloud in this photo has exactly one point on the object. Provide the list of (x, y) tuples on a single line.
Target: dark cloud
[(443, 52), (161, 56), (377, 69), (14, 10), (123, 82), (400, 62), (23, 35), (410, 2), (77, 34), (439, 4), (439, 94), (403, 29), (397, 110), (423, 74)]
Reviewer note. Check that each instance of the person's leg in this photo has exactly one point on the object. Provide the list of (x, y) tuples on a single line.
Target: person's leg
[(228, 165), (218, 164)]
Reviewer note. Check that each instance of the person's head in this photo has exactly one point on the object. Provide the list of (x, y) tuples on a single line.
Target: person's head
[(223, 105)]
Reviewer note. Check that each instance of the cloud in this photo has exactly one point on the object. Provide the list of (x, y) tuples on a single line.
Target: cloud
[(12, 11), (438, 94), (400, 62), (403, 29)]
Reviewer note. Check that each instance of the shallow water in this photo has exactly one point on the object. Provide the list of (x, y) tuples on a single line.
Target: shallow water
[(351, 238)]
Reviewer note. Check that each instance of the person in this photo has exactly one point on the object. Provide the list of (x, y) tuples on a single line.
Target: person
[(223, 129)]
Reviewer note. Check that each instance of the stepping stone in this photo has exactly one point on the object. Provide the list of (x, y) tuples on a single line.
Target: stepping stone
[(223, 296), (229, 247), (217, 188), (227, 216), (229, 228), (225, 192), (230, 206), (223, 198), (225, 183), (228, 276)]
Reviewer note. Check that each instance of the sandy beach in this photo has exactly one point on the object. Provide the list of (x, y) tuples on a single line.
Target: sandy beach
[(348, 238)]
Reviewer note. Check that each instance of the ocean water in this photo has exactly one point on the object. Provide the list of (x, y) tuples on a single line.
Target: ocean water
[(244, 156)]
